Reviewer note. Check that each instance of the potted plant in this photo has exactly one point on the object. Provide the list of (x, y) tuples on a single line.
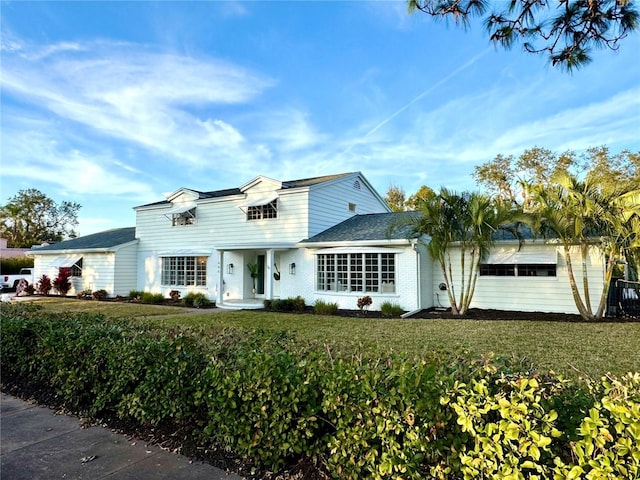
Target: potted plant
[(253, 269)]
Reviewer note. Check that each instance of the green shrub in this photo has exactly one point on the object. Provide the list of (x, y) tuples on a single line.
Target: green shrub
[(290, 304), (196, 300), (325, 308), (389, 309), (264, 397), (153, 298), (12, 265)]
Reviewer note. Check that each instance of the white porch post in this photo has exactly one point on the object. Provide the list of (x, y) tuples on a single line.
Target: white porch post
[(268, 284), (220, 277)]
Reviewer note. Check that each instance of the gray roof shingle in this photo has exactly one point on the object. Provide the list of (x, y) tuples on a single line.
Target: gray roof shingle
[(106, 239), (374, 226)]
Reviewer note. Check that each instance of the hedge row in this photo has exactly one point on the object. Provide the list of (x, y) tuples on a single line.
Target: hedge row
[(268, 399)]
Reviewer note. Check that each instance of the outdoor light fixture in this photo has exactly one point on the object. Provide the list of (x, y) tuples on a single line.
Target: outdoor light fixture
[(292, 269), (230, 268)]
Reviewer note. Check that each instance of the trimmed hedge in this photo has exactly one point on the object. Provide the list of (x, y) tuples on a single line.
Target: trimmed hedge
[(268, 399)]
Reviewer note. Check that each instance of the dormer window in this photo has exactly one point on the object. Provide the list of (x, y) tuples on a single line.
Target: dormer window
[(261, 209), (182, 216), (259, 212)]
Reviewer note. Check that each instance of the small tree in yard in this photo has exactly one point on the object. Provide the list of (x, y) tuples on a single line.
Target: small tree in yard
[(62, 283), (44, 285)]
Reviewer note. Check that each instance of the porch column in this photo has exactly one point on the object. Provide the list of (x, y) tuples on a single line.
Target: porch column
[(220, 277), (268, 284)]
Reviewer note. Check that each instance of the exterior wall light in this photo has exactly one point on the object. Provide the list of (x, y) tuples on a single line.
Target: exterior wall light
[(292, 269), (230, 268)]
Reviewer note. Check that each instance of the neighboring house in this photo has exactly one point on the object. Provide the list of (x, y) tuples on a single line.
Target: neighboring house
[(105, 260), (329, 238), (6, 252)]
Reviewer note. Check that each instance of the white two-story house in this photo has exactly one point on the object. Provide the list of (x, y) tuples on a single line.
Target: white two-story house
[(326, 238), (243, 245)]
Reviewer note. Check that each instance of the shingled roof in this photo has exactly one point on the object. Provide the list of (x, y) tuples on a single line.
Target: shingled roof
[(303, 182), (107, 239), (374, 226)]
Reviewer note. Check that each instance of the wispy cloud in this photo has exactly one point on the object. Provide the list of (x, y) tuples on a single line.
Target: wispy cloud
[(172, 105)]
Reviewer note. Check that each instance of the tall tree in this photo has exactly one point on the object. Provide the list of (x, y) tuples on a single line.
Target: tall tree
[(565, 30), (584, 215), (415, 201), (31, 217), (467, 221), (510, 177), (395, 198)]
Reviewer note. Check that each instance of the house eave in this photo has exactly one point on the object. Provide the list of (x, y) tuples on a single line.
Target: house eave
[(76, 251), (355, 243)]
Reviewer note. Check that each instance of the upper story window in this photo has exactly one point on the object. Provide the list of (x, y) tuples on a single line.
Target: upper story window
[(260, 212), (186, 217)]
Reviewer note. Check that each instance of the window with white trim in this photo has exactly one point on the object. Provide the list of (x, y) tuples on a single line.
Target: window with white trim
[(259, 212), (518, 270), (76, 269), (184, 271), (356, 272), (184, 218)]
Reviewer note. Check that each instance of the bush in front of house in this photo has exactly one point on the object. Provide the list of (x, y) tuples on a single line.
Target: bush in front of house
[(152, 298), (196, 300), (291, 304), (62, 283), (325, 308), (389, 309), (44, 285), (100, 294), (266, 398)]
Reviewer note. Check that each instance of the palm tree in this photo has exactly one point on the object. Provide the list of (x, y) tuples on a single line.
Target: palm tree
[(586, 215), (468, 221)]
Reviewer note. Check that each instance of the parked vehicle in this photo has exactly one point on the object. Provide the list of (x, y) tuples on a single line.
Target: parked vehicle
[(10, 282)]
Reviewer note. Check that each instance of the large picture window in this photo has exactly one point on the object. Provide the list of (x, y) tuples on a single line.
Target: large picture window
[(356, 272), (184, 271)]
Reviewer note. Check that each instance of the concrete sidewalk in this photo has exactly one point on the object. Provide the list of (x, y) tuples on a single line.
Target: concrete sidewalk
[(37, 444)]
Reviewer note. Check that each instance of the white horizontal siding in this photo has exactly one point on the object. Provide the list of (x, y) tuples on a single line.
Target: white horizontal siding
[(97, 271), (528, 294), (329, 203), (125, 274)]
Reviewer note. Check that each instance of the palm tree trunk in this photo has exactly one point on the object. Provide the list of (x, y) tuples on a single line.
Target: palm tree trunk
[(574, 287), (584, 248), (447, 282), (607, 283)]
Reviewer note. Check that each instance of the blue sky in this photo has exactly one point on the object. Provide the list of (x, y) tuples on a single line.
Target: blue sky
[(115, 104)]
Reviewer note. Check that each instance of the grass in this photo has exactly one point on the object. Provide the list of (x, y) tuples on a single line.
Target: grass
[(567, 348)]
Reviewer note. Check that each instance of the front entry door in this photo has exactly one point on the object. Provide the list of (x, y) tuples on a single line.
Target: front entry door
[(260, 279)]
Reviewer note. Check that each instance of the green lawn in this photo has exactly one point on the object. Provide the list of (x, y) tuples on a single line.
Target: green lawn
[(567, 348)]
